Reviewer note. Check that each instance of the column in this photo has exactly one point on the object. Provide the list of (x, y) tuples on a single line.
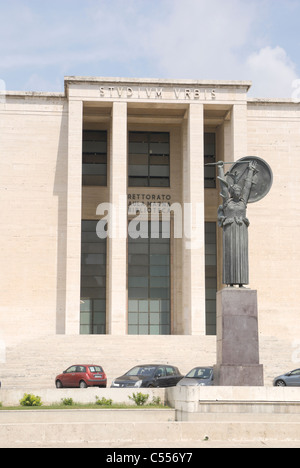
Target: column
[(117, 242), (194, 229), (72, 320)]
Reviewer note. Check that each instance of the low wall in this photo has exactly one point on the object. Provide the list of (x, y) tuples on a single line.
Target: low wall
[(187, 398), (12, 397), (193, 401), (228, 414)]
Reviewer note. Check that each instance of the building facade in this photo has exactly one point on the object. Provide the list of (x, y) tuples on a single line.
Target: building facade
[(109, 212)]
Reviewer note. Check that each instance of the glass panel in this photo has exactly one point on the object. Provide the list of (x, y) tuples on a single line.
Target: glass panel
[(138, 148), (94, 147), (94, 158), (93, 280), (149, 282), (159, 182), (209, 157), (159, 148), (159, 171), (138, 182), (138, 159), (159, 160), (94, 169), (149, 156), (133, 306), (210, 277), (138, 171)]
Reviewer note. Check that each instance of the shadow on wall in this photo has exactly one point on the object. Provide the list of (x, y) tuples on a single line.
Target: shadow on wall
[(60, 190)]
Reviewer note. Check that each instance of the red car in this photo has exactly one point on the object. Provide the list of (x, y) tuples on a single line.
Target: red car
[(82, 376)]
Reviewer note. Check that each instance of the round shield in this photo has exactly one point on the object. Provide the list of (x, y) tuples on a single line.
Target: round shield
[(262, 179)]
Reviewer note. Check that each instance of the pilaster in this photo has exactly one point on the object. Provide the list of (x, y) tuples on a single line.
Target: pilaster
[(117, 242), (193, 242), (72, 319)]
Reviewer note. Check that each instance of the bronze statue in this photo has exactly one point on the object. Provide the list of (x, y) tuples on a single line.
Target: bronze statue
[(248, 181)]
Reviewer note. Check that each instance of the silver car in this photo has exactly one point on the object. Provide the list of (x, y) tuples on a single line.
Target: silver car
[(291, 379), (203, 376)]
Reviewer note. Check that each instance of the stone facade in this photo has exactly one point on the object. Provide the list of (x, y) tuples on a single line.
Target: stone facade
[(43, 200)]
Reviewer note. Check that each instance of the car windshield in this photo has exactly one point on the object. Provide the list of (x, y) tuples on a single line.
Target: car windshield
[(199, 373), (95, 369), (142, 371)]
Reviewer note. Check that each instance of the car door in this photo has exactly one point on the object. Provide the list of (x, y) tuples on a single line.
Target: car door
[(160, 377), (69, 376), (171, 376), (293, 379), (80, 375)]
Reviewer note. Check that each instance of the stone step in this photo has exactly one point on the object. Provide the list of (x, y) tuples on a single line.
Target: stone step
[(147, 434), (36, 363)]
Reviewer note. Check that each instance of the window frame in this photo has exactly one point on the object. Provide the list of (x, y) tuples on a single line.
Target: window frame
[(94, 155), (150, 180)]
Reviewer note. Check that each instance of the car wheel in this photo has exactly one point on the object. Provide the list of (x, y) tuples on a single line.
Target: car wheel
[(280, 383), (59, 384), (82, 384)]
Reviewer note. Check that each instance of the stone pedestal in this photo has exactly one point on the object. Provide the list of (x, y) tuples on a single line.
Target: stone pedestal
[(237, 339)]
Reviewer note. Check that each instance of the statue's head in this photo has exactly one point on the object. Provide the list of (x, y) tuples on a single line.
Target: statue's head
[(236, 192)]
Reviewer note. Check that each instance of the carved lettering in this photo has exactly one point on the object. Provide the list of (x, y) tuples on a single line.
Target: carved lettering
[(159, 93), (190, 94)]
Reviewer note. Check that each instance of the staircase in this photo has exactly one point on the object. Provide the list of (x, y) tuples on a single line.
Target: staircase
[(35, 363)]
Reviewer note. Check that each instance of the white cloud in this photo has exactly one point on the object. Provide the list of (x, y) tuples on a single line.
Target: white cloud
[(272, 72), (204, 39), (193, 39)]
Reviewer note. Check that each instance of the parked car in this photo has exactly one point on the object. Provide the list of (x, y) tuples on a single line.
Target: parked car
[(198, 376), (290, 379), (83, 376), (149, 375)]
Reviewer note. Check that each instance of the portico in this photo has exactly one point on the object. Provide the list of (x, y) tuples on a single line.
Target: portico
[(158, 136)]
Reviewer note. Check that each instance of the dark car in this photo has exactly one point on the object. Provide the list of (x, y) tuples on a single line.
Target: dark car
[(201, 376), (290, 379), (149, 375), (82, 376)]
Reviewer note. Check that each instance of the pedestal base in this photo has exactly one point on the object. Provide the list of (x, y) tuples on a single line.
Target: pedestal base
[(237, 339), (239, 376)]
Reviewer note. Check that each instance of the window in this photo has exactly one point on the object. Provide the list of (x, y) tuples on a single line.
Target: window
[(94, 158), (93, 281), (149, 284), (149, 159), (210, 276), (209, 157)]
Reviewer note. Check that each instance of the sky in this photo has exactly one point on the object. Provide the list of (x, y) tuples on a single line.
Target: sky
[(41, 41)]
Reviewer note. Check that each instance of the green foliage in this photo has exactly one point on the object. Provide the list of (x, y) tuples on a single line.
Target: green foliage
[(139, 398), (30, 400), (67, 401), (103, 401), (156, 401)]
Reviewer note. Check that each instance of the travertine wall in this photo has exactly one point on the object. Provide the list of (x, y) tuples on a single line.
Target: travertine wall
[(274, 135), (33, 182)]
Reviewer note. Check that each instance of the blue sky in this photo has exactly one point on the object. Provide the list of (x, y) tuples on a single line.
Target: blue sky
[(258, 40)]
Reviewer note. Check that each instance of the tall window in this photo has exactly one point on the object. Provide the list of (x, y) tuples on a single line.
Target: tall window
[(209, 157), (210, 276), (94, 157), (93, 281), (149, 283), (149, 159)]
